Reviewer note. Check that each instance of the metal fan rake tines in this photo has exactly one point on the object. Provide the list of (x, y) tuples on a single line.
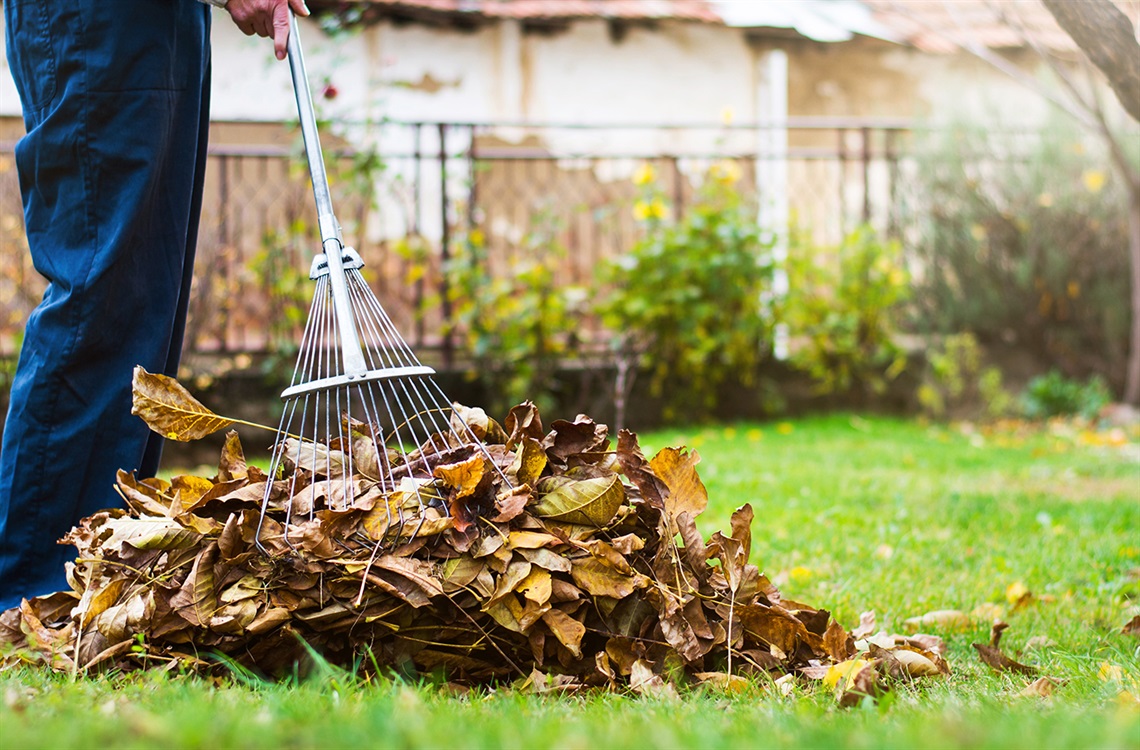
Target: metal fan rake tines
[(361, 411)]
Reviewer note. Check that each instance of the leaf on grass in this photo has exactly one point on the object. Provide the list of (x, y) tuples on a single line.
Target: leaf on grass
[(724, 682), (589, 502), (1042, 687), (170, 410), (1132, 627), (992, 656), (951, 620), (644, 681)]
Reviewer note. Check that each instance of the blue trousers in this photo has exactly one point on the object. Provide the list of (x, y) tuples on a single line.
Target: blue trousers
[(115, 96)]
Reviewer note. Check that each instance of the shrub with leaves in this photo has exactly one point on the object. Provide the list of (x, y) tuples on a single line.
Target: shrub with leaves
[(958, 383), (1053, 395), (1022, 239), (687, 298), (842, 310), (518, 324)]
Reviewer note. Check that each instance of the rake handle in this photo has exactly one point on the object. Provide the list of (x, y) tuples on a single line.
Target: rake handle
[(331, 239)]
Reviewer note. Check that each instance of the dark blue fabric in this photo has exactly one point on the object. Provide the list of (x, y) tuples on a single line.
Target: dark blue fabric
[(115, 96)]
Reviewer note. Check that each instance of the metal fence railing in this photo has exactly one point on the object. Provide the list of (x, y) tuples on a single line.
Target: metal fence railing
[(409, 193)]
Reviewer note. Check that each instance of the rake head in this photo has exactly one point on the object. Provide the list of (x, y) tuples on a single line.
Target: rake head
[(364, 423)]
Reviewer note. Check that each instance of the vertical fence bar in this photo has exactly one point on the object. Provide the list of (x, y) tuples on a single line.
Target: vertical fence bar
[(866, 159), (472, 176), (841, 153), (417, 229), (224, 249), (891, 155), (446, 345), (678, 188)]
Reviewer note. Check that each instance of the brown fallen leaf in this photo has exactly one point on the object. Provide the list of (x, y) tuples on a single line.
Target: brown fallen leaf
[(1132, 627), (992, 656), (170, 410), (1042, 687)]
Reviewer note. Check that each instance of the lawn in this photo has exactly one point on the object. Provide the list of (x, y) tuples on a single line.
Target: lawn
[(852, 514)]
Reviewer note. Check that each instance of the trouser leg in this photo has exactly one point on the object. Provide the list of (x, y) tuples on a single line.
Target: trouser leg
[(115, 99)]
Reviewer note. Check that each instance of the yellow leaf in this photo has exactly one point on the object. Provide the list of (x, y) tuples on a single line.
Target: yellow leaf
[(463, 476), (845, 671), (536, 586), (170, 410), (1018, 594), (589, 502), (1110, 673), (530, 540), (676, 467)]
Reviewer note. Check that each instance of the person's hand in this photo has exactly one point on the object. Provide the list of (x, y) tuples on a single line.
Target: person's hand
[(267, 18)]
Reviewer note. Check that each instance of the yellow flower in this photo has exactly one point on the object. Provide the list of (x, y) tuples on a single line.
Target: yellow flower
[(651, 209), (785, 428), (1094, 180), (476, 238), (725, 171), (644, 175)]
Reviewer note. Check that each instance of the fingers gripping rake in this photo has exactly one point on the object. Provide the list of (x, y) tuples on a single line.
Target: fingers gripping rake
[(358, 394)]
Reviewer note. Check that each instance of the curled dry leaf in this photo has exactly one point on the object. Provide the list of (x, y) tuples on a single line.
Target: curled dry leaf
[(1042, 687), (170, 410)]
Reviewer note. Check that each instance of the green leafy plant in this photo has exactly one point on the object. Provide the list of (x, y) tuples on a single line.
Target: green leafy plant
[(842, 310), (685, 302), (1053, 394), (958, 383), (1022, 239), (518, 324)]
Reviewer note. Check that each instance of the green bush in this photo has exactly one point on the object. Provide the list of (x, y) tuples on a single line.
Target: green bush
[(957, 382), (1054, 395), (842, 310), (1022, 240), (517, 326), (686, 300)]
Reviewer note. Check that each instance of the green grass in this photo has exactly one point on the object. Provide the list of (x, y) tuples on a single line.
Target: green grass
[(851, 514)]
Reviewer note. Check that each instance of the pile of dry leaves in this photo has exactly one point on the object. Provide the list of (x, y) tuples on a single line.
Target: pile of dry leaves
[(585, 568)]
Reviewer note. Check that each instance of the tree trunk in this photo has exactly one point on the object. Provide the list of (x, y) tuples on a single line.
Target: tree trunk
[(1132, 382), (1105, 34)]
